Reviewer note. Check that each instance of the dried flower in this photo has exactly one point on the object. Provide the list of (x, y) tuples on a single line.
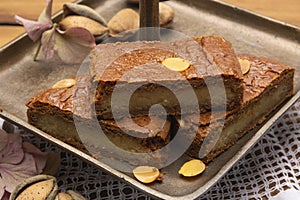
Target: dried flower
[(35, 29), (71, 45), (18, 161)]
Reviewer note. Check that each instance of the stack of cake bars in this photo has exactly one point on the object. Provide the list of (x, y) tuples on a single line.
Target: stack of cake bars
[(246, 101)]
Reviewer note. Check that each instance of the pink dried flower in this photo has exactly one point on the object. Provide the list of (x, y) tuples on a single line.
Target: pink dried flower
[(18, 161), (72, 45)]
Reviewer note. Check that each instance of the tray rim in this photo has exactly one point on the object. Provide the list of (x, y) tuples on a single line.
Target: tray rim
[(142, 187), (270, 19)]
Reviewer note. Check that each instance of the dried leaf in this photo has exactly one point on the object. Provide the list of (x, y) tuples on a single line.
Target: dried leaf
[(82, 10), (52, 164), (96, 28), (39, 156)]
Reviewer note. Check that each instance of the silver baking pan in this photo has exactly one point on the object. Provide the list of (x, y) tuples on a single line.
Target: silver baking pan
[(250, 33)]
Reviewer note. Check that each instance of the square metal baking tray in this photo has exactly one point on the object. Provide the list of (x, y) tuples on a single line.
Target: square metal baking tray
[(250, 33)]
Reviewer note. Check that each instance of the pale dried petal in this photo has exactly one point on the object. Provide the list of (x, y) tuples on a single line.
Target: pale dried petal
[(34, 29), (3, 139), (13, 152), (74, 44), (39, 156), (45, 16), (48, 43), (82, 10), (12, 175), (2, 190)]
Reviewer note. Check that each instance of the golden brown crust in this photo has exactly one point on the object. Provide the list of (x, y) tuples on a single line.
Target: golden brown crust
[(63, 99), (264, 79), (46, 107), (263, 72), (211, 58)]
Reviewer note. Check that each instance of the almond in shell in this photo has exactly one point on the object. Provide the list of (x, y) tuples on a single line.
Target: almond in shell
[(69, 195), (82, 10), (125, 20), (91, 25), (166, 15), (40, 187)]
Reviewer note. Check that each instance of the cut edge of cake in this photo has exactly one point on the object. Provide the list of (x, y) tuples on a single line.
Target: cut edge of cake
[(268, 85)]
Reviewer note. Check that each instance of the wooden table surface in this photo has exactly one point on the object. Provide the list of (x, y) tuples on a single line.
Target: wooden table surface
[(284, 10)]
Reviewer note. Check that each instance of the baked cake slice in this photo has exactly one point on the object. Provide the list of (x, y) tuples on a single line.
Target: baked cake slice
[(268, 84), (138, 65), (55, 110)]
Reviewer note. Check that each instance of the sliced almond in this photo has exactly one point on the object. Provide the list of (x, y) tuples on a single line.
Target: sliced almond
[(176, 64), (146, 174), (65, 83), (192, 168), (38, 191), (245, 65)]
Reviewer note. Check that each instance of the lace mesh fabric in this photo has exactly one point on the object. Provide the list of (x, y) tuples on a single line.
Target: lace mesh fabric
[(271, 167)]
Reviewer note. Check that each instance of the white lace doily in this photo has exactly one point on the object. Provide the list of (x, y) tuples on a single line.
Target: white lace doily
[(271, 169)]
